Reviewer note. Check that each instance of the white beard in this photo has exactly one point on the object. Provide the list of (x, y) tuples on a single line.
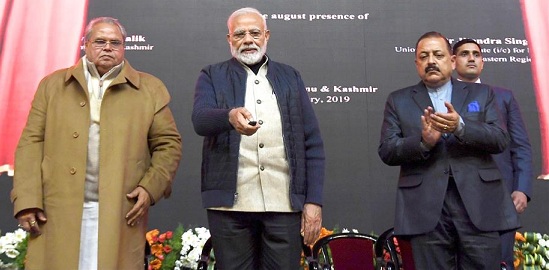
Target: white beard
[(249, 58)]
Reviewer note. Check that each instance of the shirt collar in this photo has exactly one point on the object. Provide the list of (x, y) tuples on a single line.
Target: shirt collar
[(445, 87), (477, 81)]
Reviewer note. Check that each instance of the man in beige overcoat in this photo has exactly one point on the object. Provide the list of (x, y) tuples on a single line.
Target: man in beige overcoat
[(99, 147)]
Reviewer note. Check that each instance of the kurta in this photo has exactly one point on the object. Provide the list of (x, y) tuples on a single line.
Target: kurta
[(139, 146)]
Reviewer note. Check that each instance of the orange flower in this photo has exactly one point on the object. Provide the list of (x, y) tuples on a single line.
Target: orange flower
[(516, 263), (519, 237), (156, 249), (152, 236), (324, 232), (155, 264)]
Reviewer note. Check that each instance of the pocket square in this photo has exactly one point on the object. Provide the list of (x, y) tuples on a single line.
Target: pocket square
[(473, 107)]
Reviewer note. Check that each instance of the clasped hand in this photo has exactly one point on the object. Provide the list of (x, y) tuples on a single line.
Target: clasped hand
[(434, 124)]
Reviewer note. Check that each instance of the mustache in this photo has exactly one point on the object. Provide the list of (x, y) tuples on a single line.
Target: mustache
[(251, 46), (432, 68)]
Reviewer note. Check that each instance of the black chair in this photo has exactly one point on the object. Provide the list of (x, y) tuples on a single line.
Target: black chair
[(344, 251), (399, 249), (205, 256), (308, 254), (147, 254), (385, 244)]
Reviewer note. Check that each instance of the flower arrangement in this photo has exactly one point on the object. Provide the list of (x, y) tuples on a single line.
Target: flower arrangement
[(531, 250), (176, 250), (164, 248), (13, 248), (193, 241), (181, 249)]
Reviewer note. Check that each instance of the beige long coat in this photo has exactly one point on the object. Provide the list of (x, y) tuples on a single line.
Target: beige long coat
[(139, 145)]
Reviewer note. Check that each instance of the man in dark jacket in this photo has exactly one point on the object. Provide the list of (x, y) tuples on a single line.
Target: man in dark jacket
[(515, 163), (451, 200), (263, 156)]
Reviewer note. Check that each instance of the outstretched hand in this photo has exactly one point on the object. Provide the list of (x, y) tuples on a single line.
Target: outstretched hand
[(240, 118)]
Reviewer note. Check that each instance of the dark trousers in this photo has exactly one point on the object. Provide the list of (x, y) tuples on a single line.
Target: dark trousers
[(250, 240), (507, 245), (456, 243)]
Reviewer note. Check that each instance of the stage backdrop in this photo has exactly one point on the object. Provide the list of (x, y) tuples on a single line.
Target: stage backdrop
[(351, 55)]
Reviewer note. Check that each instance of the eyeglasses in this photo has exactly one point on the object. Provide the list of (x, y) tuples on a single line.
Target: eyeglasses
[(255, 34), (100, 44)]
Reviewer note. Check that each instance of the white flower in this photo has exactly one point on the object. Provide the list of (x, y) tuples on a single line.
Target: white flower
[(20, 235), (192, 241), (345, 230), (8, 247), (12, 253)]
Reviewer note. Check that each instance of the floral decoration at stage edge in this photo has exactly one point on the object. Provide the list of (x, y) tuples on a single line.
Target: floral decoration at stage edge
[(531, 250), (181, 249), (176, 250), (13, 249), (193, 241)]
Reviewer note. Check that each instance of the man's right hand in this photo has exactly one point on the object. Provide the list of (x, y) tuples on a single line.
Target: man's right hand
[(239, 119), (429, 135), (31, 219)]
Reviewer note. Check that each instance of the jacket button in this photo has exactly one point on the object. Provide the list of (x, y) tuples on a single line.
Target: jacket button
[(260, 122), (261, 145), (256, 81), (258, 101), (82, 103), (262, 168), (73, 171), (75, 135)]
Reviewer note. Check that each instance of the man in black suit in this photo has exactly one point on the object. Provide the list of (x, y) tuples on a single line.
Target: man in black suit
[(515, 163), (451, 202)]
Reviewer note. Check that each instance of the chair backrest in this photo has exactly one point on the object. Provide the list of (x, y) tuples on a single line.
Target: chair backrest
[(386, 252), (399, 250), (147, 254), (346, 251), (205, 255)]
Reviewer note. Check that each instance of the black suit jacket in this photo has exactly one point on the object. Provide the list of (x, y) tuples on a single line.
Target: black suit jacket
[(515, 163), (424, 175)]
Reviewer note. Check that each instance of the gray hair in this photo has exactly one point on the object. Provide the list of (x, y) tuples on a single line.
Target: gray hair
[(108, 20), (243, 11)]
